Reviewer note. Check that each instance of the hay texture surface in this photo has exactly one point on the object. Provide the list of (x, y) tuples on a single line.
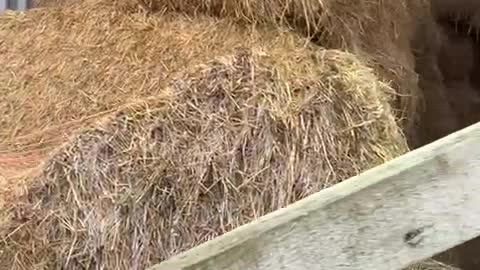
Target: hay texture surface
[(432, 265), (380, 31), (68, 66), (233, 123), (72, 64), (76, 61)]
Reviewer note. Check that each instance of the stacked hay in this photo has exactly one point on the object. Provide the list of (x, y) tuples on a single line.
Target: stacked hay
[(214, 124), (183, 128), (379, 31), (55, 60)]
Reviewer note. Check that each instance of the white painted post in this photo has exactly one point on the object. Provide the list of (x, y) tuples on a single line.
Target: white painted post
[(22, 5), (407, 210), (3, 5)]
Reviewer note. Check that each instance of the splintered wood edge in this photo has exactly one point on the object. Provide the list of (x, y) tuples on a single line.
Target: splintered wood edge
[(389, 217)]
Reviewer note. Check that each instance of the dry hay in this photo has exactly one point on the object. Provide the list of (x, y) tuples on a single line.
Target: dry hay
[(270, 121), (70, 66), (380, 31), (432, 265), (262, 123)]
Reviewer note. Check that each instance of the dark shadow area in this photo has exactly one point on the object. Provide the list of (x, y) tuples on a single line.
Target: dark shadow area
[(447, 52), (448, 61)]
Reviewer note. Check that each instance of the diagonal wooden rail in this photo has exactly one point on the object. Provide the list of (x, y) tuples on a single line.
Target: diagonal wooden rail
[(389, 217)]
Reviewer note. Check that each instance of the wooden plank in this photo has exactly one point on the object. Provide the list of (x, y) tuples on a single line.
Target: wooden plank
[(387, 218)]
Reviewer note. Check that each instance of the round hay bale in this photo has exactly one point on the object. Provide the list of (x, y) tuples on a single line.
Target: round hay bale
[(240, 130)]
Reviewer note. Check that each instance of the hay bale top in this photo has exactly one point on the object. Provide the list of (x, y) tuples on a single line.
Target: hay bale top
[(94, 39), (70, 66), (377, 31), (226, 123), (337, 23), (375, 27)]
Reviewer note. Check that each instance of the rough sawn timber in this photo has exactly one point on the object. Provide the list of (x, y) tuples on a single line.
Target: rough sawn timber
[(386, 218)]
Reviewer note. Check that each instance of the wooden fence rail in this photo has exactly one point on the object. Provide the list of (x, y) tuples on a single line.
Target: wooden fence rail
[(387, 218)]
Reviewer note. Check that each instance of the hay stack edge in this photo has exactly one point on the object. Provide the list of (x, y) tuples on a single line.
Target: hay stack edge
[(137, 134)]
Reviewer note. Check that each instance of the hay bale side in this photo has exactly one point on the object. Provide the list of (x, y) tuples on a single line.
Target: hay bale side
[(380, 32), (229, 141)]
